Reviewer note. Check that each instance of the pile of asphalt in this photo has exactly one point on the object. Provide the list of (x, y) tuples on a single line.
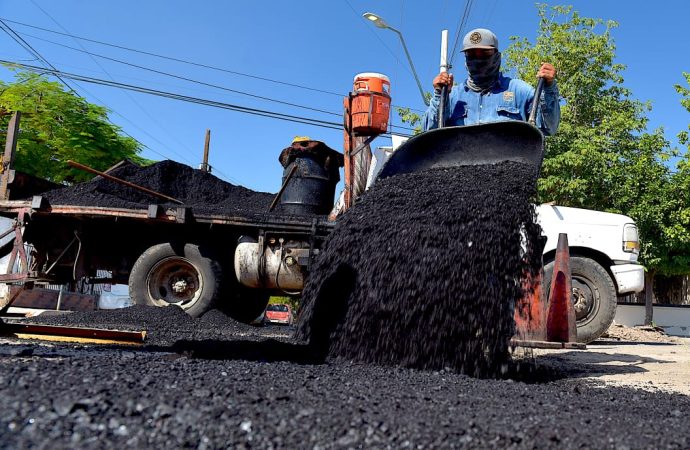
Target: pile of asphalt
[(424, 272), (199, 190), (164, 327), (64, 397)]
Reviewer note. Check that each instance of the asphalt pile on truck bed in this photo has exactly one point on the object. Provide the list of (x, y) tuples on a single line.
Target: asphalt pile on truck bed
[(424, 271), (199, 190)]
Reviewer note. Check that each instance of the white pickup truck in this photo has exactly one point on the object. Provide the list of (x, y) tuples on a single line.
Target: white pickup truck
[(603, 261)]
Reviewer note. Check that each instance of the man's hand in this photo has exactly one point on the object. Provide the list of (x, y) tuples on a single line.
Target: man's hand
[(547, 72), (443, 79)]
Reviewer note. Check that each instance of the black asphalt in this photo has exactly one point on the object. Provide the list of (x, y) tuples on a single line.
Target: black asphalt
[(215, 383), (196, 189), (254, 391), (421, 264)]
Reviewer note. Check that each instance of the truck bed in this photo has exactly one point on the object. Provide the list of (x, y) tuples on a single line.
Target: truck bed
[(39, 208), (82, 239)]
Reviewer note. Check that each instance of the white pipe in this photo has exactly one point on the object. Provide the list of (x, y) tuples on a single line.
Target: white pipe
[(444, 51)]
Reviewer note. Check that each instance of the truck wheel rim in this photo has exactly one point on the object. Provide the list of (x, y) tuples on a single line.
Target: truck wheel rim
[(174, 281), (584, 299)]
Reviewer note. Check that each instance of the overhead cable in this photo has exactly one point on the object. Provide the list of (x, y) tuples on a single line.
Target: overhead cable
[(189, 99), (183, 61)]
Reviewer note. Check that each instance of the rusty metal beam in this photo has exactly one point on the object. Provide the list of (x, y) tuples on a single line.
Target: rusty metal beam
[(72, 334), (123, 182), (8, 157), (548, 345), (168, 215)]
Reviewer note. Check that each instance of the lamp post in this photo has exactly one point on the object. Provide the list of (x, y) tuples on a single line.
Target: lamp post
[(380, 23)]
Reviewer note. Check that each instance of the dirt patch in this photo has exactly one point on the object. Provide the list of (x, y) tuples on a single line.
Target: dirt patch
[(620, 332)]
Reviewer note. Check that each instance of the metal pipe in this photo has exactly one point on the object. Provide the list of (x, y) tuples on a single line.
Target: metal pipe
[(444, 89), (536, 102), (121, 181)]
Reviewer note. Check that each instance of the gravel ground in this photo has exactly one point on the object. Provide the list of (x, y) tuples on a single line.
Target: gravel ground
[(620, 332), (214, 383), (240, 389)]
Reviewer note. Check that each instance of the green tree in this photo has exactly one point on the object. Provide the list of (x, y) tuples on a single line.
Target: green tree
[(684, 136), (680, 210), (57, 126), (603, 156)]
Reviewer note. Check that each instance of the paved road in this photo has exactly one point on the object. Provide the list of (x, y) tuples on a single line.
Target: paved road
[(64, 396)]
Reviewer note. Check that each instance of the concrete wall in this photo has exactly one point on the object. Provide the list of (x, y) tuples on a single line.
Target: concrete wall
[(675, 320)]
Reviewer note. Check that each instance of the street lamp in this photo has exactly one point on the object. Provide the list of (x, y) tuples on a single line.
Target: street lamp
[(380, 23)]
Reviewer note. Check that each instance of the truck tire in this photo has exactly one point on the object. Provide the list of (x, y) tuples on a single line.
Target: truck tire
[(594, 296), (181, 275)]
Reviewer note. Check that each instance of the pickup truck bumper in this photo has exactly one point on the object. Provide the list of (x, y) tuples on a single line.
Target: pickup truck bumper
[(628, 277)]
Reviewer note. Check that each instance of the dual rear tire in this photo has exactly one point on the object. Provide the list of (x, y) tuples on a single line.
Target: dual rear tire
[(190, 277)]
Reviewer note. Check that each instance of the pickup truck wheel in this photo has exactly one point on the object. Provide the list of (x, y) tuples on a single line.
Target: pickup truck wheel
[(594, 296), (167, 275)]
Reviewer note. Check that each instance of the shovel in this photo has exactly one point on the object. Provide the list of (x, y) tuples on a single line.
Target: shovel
[(489, 143)]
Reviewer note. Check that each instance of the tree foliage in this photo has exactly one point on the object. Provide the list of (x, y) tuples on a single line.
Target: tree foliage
[(679, 255), (603, 156), (57, 126)]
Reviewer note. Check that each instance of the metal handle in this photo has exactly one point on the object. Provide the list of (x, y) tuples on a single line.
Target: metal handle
[(444, 68), (442, 107), (536, 102)]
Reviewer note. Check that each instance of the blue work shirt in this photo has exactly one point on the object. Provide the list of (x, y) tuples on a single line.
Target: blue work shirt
[(508, 99)]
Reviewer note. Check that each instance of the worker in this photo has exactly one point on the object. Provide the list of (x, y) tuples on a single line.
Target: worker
[(489, 96)]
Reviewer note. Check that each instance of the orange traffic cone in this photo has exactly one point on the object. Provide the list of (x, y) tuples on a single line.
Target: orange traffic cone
[(560, 322)]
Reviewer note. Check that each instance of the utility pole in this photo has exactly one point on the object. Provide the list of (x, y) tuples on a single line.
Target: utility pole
[(8, 157), (204, 165)]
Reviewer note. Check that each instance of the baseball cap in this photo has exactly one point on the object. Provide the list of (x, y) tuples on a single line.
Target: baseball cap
[(479, 38)]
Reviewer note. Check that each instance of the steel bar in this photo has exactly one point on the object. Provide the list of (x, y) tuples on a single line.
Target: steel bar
[(13, 277), (282, 188), (121, 181), (548, 345), (283, 223), (78, 334)]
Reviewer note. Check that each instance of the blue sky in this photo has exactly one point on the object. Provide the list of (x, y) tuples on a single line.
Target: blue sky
[(319, 45)]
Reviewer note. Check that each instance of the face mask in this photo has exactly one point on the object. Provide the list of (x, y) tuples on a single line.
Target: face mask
[(483, 72)]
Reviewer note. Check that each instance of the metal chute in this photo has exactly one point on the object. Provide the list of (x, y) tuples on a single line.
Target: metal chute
[(489, 143)]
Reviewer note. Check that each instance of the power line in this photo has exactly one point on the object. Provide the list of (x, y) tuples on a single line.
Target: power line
[(17, 38), (55, 72), (190, 99), (126, 93), (179, 60), (203, 83), (197, 64), (461, 26), (179, 77)]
